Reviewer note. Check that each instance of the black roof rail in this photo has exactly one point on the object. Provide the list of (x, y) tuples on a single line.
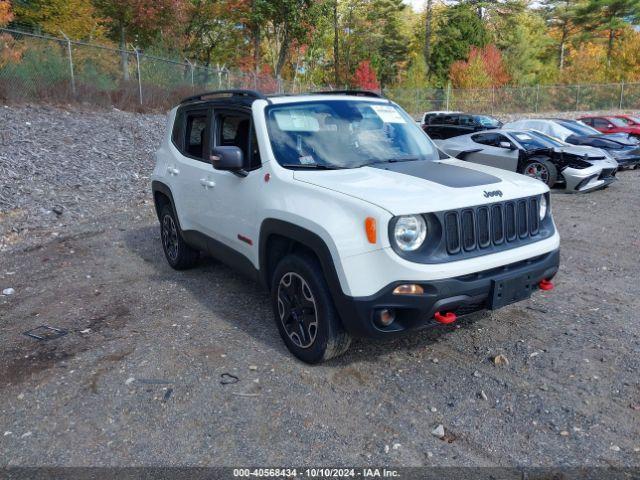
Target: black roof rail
[(232, 93), (355, 93)]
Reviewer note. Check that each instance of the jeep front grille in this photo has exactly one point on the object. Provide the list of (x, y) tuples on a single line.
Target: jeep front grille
[(477, 228)]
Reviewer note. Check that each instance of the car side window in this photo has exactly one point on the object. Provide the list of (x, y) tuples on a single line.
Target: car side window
[(235, 129), (490, 139), (194, 134), (588, 121), (466, 120), (600, 123)]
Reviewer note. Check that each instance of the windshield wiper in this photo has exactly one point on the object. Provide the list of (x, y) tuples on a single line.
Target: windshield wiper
[(313, 166), (390, 160)]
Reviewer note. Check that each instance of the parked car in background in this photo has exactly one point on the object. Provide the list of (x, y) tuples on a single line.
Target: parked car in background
[(624, 149), (611, 124), (443, 125), (532, 153), (631, 120)]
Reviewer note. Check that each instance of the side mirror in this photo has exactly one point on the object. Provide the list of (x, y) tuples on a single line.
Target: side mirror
[(507, 145), (610, 126), (227, 158)]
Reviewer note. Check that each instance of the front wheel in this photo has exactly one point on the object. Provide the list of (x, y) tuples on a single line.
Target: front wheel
[(305, 314), (541, 169)]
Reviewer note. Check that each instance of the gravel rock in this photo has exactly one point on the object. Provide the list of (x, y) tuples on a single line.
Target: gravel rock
[(74, 161), (500, 360), (438, 431), (8, 291)]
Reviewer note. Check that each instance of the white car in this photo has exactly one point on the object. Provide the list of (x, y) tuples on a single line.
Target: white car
[(341, 207)]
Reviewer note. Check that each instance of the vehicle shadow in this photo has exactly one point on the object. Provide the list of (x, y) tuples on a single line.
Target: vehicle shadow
[(242, 303)]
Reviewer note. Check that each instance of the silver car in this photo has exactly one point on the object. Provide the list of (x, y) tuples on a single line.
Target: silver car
[(532, 153)]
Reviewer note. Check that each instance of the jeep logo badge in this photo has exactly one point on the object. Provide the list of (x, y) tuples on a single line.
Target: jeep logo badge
[(495, 193)]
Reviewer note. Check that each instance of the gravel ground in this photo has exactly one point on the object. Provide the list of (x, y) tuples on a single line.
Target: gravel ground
[(138, 379)]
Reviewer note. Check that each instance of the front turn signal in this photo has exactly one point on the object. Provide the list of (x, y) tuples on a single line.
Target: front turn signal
[(371, 229)]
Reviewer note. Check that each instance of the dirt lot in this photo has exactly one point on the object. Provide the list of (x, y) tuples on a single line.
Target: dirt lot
[(138, 379)]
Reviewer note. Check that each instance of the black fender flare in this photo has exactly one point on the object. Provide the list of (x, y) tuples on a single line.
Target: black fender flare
[(310, 240), (160, 187)]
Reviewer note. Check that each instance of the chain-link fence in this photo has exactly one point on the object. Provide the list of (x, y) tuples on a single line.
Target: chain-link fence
[(36, 67), (540, 98), (42, 68)]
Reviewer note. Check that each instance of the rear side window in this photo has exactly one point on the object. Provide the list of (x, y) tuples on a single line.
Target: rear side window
[(176, 134), (195, 128)]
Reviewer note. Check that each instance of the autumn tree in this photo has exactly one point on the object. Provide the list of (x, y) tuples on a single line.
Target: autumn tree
[(76, 18), (138, 21), (610, 17), (365, 77), (6, 14), (484, 68), (211, 32)]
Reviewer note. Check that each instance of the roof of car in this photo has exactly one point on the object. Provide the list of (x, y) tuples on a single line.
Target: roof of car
[(247, 97)]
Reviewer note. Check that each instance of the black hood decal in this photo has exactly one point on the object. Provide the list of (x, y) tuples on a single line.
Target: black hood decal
[(442, 173)]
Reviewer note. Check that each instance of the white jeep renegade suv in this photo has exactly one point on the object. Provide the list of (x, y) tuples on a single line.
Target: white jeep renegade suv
[(348, 214)]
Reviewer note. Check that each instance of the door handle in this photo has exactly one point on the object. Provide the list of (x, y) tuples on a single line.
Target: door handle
[(207, 183), (173, 171)]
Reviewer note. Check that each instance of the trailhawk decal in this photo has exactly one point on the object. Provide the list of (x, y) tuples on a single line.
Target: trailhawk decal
[(447, 175)]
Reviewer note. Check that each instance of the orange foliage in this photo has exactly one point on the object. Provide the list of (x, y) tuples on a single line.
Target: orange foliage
[(6, 15), (483, 69)]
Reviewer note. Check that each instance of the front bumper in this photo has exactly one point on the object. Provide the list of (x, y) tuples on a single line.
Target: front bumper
[(584, 180), (461, 295)]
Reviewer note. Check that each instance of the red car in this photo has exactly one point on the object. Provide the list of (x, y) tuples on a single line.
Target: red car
[(613, 124), (631, 120)]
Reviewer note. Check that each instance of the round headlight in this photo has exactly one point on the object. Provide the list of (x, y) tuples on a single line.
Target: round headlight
[(543, 207), (409, 232)]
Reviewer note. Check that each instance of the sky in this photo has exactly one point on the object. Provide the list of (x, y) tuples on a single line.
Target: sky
[(416, 4)]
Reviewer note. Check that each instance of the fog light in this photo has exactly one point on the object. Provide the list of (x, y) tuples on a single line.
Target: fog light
[(385, 317), (410, 289)]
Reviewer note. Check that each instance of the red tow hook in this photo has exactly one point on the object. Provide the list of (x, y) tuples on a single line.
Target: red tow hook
[(546, 285), (445, 319)]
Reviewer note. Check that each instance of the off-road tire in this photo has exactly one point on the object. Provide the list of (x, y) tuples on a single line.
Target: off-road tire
[(541, 163), (179, 255), (330, 339)]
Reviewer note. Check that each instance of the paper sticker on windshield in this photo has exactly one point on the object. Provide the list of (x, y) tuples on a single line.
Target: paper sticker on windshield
[(523, 136), (306, 160), (388, 114)]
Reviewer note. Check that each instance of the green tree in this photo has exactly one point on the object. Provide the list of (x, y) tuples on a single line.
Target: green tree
[(458, 29), (290, 22), (389, 42), (560, 16), (523, 45)]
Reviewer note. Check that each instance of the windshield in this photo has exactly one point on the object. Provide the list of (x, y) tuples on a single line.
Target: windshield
[(486, 121), (532, 140), (579, 128), (618, 122), (344, 134)]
